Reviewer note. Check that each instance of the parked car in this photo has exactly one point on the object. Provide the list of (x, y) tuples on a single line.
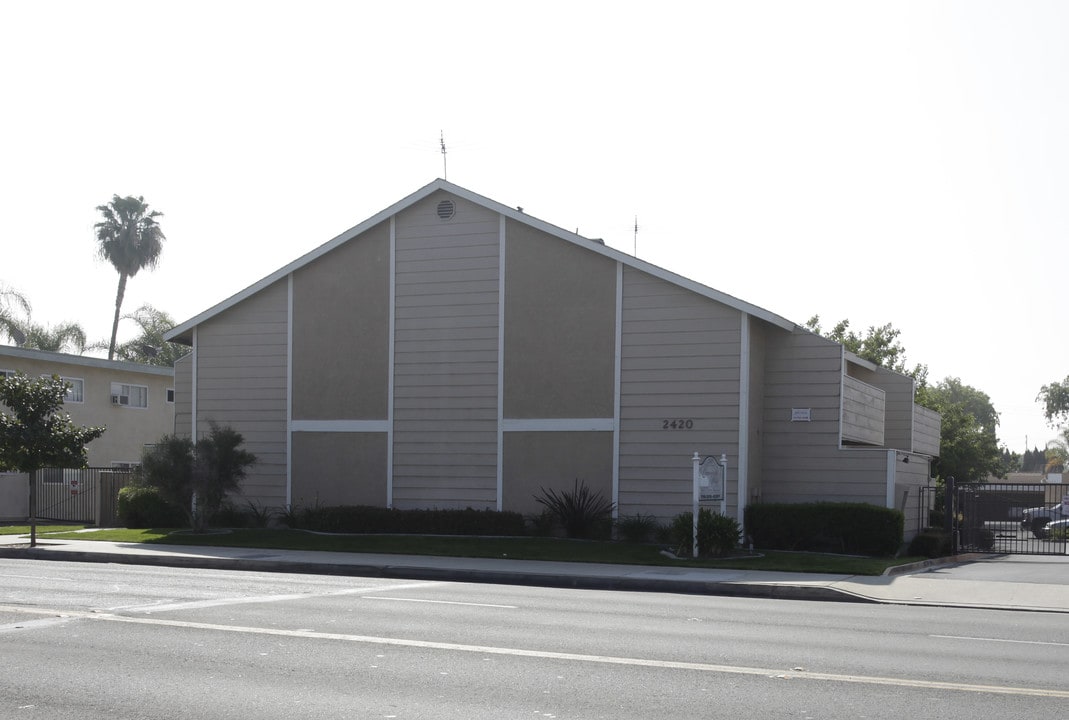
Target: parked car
[(1055, 529), (1036, 519)]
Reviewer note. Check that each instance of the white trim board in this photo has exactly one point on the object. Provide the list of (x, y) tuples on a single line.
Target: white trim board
[(558, 424), (341, 426)]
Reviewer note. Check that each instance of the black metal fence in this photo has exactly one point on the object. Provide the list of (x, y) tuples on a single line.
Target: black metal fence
[(1009, 518), (89, 495)]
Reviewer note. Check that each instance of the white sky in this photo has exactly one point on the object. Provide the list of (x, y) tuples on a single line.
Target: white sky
[(900, 162)]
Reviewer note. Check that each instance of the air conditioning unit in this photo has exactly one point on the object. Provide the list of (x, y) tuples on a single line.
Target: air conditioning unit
[(120, 399)]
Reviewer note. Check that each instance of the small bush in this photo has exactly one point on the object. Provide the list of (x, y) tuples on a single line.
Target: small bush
[(637, 528), (543, 524), (855, 528), (583, 513), (930, 543), (144, 507), (717, 534)]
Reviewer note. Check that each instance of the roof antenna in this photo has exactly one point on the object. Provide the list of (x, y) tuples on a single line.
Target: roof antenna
[(445, 169), (636, 236)]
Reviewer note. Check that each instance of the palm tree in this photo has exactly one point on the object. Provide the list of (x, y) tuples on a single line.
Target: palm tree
[(60, 338), (148, 348), (10, 301), (130, 239)]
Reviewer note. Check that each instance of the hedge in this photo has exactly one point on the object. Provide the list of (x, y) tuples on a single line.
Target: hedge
[(851, 528)]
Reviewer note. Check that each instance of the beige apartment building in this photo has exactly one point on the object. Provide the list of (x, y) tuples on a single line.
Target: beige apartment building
[(451, 351), (134, 402)]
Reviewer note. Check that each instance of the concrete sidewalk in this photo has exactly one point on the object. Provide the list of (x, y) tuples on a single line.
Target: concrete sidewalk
[(1035, 583)]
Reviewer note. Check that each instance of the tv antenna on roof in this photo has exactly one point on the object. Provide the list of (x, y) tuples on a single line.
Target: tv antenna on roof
[(445, 169), (636, 236)]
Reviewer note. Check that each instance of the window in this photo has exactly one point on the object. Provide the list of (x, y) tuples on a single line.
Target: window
[(6, 373), (129, 395), (125, 465), (170, 395), (76, 392)]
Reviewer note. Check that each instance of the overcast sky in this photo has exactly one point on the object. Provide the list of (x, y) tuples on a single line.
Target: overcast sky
[(884, 162)]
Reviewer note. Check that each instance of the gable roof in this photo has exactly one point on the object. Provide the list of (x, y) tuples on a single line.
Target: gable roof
[(183, 332)]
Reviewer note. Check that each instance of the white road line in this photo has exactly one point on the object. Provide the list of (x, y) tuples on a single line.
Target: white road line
[(572, 657), (999, 640), (441, 602)]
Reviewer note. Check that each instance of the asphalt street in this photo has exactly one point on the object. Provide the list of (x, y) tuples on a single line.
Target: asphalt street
[(93, 640)]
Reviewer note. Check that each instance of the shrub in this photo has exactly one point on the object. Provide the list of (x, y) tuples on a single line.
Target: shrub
[(583, 513), (637, 528), (145, 507), (856, 528), (930, 543), (717, 534)]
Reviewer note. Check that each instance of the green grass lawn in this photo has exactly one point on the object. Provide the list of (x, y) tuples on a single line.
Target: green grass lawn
[(519, 548)]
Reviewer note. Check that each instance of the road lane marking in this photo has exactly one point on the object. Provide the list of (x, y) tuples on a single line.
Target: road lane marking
[(441, 602), (571, 657), (999, 640)]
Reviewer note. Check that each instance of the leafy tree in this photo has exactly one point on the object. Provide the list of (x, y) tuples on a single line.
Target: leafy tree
[(968, 445), (149, 348), (35, 434), (1055, 399), (197, 476), (130, 239), (879, 345)]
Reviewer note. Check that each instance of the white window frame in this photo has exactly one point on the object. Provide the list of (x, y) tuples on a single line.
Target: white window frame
[(76, 383), (122, 391)]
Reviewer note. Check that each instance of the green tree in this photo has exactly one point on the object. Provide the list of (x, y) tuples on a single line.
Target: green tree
[(197, 477), (36, 434), (879, 345), (968, 444), (130, 238), (1055, 399), (149, 347)]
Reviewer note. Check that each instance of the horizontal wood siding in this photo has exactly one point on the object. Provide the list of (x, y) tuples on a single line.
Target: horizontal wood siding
[(445, 357), (241, 382), (680, 356), (863, 412), (802, 460), (927, 426)]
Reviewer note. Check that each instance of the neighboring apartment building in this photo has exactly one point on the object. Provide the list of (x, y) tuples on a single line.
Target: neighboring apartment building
[(134, 402), (454, 352)]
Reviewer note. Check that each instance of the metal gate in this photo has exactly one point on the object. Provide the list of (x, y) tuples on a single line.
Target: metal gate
[(88, 495), (1010, 518)]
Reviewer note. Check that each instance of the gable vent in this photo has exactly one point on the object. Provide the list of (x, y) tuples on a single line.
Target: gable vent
[(446, 209)]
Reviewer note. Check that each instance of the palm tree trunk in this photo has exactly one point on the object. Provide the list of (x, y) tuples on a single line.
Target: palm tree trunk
[(118, 307)]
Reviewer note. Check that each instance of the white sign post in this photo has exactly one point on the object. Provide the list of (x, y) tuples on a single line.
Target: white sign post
[(710, 485)]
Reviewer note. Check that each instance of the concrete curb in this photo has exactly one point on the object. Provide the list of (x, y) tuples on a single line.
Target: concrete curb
[(497, 577)]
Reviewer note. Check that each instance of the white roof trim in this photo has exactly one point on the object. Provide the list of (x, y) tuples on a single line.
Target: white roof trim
[(444, 185)]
